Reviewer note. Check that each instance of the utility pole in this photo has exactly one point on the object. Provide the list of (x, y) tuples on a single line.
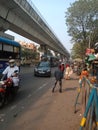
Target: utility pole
[(89, 40)]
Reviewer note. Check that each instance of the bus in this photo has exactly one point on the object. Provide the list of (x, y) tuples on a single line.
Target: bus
[(8, 48), (53, 60)]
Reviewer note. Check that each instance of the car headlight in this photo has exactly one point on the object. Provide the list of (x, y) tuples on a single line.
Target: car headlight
[(48, 70)]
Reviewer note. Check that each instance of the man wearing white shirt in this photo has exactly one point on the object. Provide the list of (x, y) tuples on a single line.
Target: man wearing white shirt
[(12, 71)]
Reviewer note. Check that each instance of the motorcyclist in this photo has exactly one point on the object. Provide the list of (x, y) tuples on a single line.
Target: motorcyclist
[(12, 71)]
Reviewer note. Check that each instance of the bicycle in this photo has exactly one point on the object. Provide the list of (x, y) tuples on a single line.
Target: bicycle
[(89, 120)]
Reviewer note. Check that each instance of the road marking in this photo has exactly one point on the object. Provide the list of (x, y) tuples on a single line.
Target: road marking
[(21, 107), (41, 87)]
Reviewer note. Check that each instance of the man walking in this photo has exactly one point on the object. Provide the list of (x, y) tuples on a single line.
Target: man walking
[(58, 77)]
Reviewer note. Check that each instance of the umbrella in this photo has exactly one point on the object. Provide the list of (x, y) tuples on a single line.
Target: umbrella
[(91, 57)]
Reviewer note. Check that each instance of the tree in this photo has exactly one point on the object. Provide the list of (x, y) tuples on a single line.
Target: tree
[(82, 21), (78, 51), (29, 54)]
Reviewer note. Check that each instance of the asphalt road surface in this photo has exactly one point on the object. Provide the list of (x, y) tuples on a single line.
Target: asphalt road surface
[(37, 108)]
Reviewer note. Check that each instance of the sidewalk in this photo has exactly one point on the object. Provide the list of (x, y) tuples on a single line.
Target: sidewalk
[(54, 111), (61, 115)]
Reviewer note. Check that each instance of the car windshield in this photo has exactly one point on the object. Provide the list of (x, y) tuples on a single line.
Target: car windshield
[(44, 64)]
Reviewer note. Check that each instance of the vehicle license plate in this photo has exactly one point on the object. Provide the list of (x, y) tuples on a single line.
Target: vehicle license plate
[(41, 72)]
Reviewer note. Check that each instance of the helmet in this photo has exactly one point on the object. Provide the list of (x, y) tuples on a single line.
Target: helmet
[(11, 62)]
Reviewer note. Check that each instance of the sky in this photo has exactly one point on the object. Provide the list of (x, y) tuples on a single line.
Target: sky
[(53, 12)]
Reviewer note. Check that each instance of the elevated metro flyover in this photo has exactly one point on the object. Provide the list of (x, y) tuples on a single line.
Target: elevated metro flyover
[(23, 18)]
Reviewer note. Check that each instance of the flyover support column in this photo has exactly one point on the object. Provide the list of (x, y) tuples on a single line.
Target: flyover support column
[(44, 49), (61, 57), (56, 54)]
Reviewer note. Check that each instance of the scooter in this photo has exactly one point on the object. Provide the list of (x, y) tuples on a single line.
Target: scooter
[(7, 91)]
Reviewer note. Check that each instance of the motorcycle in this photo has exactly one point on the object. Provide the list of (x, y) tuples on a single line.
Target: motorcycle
[(7, 91)]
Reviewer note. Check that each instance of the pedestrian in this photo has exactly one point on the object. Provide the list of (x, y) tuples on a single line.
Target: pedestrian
[(58, 78), (62, 68), (68, 72)]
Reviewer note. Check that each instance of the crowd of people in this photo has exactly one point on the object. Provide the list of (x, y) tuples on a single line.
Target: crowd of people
[(89, 66), (63, 71)]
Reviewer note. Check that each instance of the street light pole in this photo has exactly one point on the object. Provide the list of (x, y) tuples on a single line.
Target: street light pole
[(89, 41)]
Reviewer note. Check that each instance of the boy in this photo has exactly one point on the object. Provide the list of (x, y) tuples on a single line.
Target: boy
[(58, 77)]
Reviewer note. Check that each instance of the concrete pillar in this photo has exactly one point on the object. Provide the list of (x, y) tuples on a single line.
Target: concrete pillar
[(56, 53), (44, 49), (63, 58)]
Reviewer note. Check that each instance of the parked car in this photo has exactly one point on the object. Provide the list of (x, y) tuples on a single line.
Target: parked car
[(42, 69)]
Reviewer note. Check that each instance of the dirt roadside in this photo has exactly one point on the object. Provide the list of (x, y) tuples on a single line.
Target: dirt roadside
[(54, 111)]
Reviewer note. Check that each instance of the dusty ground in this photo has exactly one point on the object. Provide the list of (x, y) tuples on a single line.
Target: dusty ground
[(54, 111)]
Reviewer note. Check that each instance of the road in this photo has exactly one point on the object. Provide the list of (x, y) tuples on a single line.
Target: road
[(37, 108)]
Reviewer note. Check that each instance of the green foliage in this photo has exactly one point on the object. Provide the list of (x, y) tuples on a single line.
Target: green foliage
[(29, 54), (82, 22), (78, 50)]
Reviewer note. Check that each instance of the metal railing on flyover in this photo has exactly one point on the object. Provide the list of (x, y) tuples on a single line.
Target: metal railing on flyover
[(29, 6)]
